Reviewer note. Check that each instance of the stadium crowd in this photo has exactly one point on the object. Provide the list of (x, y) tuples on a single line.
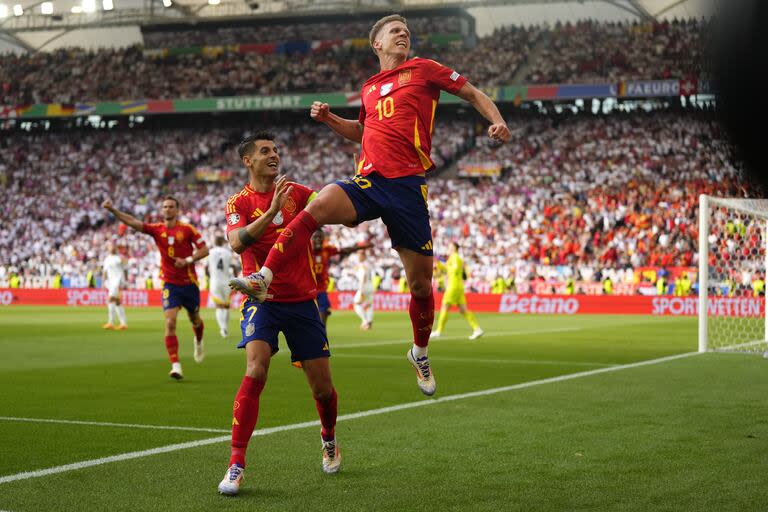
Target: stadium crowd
[(579, 196), (44, 234), (626, 51), (289, 31), (585, 52)]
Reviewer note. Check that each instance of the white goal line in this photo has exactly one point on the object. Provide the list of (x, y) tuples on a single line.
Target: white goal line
[(345, 417)]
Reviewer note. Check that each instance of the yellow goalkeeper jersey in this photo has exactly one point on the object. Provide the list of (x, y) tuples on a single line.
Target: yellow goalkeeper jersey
[(454, 268)]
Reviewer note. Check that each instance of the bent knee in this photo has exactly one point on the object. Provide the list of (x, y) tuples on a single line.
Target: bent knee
[(332, 206), (324, 394), (421, 288), (256, 371)]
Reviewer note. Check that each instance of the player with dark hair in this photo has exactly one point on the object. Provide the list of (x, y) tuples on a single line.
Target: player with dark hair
[(395, 128), (255, 217), (180, 246)]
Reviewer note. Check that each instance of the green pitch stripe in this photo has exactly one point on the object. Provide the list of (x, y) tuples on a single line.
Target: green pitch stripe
[(263, 432)]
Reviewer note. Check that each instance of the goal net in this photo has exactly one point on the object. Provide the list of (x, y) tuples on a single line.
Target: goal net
[(732, 270)]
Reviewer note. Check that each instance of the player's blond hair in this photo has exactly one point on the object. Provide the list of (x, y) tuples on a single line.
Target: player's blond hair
[(380, 24)]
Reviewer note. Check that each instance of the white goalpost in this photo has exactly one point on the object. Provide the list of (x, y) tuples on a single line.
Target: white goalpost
[(733, 259)]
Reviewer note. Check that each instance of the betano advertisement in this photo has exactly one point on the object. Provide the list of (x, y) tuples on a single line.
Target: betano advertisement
[(743, 307)]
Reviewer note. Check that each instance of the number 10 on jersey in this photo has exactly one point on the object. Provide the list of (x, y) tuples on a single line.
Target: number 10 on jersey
[(385, 107)]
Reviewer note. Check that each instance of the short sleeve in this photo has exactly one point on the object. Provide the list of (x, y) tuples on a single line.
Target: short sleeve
[(361, 116), (443, 77), (197, 238), (235, 218), (150, 229)]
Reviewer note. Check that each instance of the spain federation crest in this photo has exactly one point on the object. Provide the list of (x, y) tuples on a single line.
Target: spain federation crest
[(250, 329)]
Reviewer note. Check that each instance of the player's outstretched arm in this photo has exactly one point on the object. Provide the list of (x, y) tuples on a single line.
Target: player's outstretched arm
[(348, 128), (240, 239), (498, 130), (125, 218), (344, 251)]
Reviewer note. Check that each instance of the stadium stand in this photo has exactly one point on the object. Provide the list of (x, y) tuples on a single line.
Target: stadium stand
[(594, 195), (288, 31), (585, 52)]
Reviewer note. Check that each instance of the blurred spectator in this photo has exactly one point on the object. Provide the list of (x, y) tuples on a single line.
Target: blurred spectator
[(585, 52)]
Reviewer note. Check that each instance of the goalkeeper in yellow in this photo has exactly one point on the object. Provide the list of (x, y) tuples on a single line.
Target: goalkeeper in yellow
[(454, 293)]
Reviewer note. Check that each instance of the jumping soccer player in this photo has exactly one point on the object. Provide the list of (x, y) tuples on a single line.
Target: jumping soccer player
[(323, 252), (180, 246), (395, 128), (255, 216), (454, 294), (114, 271), (219, 274)]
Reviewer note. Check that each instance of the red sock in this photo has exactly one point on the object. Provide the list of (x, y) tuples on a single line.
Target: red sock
[(172, 346), (199, 330), (245, 412), (422, 312), (327, 411), (292, 242)]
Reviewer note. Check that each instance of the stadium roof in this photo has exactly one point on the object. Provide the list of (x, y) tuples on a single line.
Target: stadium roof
[(16, 26)]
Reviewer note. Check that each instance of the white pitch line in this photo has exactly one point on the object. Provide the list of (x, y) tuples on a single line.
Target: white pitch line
[(372, 412), (109, 424), (483, 361)]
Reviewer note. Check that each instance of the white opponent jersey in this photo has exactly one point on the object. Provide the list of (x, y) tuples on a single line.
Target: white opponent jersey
[(113, 267), (220, 264), (365, 278)]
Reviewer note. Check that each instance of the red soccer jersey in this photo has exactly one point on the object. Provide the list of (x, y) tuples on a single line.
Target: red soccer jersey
[(321, 260), (296, 282), (398, 115), (179, 241)]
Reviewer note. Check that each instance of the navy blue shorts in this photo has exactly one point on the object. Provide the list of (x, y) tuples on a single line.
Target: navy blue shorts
[(323, 304), (299, 322), (401, 203), (185, 296)]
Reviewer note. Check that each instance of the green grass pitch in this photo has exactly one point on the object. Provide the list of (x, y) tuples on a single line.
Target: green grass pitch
[(687, 433)]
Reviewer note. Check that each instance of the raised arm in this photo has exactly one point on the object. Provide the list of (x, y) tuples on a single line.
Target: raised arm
[(348, 128), (125, 218), (487, 108), (240, 239)]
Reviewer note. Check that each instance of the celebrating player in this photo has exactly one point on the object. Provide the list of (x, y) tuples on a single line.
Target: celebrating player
[(395, 128), (454, 294), (219, 274), (255, 216), (180, 246), (113, 279), (323, 252)]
